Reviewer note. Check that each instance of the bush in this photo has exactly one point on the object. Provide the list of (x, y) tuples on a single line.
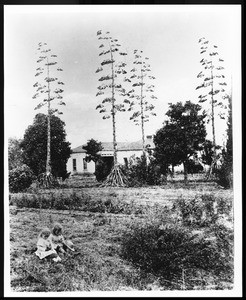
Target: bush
[(193, 167), (51, 201), (223, 256), (168, 250), (20, 179), (196, 211), (102, 170), (142, 172), (117, 206), (74, 201), (224, 175), (203, 209)]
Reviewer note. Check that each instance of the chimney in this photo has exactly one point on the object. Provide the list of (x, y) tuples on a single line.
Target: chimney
[(149, 141)]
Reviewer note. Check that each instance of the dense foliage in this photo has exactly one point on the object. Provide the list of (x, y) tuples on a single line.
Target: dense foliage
[(202, 210), (143, 171), (34, 146), (15, 158), (167, 250), (20, 178), (103, 168), (225, 173), (92, 148), (180, 137), (193, 167), (74, 201)]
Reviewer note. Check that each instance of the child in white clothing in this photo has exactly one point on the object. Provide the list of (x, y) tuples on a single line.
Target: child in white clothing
[(44, 247)]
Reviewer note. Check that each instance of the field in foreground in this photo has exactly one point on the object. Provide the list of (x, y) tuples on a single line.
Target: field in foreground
[(97, 234)]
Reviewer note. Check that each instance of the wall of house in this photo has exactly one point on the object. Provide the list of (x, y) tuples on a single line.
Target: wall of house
[(77, 165), (122, 155), (127, 154)]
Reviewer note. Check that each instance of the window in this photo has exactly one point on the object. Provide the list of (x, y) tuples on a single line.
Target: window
[(74, 165), (85, 164), (126, 161)]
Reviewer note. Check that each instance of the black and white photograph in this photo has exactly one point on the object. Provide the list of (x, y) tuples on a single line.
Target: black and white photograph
[(122, 151)]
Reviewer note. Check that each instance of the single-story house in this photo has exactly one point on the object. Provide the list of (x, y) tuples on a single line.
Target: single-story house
[(77, 162)]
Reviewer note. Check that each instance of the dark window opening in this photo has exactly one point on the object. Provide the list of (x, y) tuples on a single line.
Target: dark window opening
[(85, 164), (126, 161), (74, 165)]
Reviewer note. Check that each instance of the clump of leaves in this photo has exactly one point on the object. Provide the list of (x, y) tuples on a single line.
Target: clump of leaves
[(224, 175), (20, 178), (143, 171)]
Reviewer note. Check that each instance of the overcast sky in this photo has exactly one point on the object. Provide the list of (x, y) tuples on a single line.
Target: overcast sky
[(167, 34)]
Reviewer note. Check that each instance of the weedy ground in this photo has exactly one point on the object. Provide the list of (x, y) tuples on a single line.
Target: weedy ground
[(97, 263)]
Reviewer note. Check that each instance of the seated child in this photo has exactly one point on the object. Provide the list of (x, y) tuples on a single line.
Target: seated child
[(58, 242), (44, 247), (56, 238)]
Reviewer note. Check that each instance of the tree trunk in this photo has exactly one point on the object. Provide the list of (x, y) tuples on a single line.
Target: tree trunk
[(142, 114), (213, 125), (113, 112), (48, 161), (172, 173), (185, 172)]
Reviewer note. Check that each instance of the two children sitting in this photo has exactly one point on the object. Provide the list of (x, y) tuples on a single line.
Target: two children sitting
[(51, 243)]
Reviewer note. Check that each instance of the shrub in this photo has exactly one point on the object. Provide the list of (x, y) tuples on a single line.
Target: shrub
[(143, 172), (102, 170), (195, 211), (20, 179), (50, 201), (116, 206), (224, 175), (203, 209), (223, 256), (75, 201), (194, 167), (168, 250)]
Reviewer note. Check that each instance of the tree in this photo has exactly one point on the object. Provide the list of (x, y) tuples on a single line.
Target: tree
[(225, 173), (207, 153), (180, 137), (229, 142), (20, 178), (138, 101), (35, 150), (92, 148), (48, 89), (111, 105), (15, 158), (213, 81), (102, 167)]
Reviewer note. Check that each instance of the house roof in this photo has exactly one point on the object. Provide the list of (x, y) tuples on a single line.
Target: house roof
[(121, 146), (125, 146), (79, 149)]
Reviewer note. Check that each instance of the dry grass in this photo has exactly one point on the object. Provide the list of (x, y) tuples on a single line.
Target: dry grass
[(97, 263), (97, 266)]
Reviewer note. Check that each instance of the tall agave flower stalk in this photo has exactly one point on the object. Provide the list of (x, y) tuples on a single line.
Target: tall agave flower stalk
[(111, 90), (213, 84), (141, 96), (48, 89)]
